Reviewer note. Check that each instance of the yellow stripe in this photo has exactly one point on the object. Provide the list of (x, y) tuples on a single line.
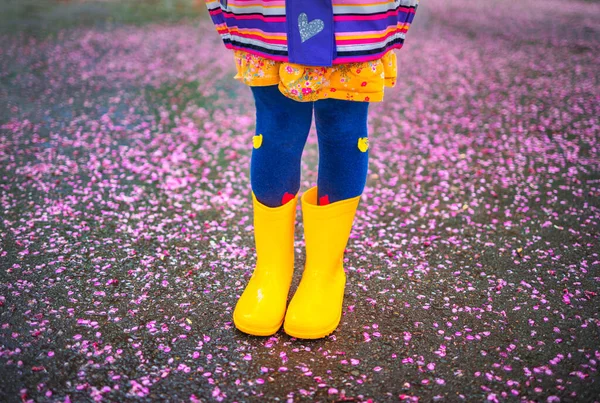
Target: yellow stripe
[(363, 5), (255, 5), (251, 32)]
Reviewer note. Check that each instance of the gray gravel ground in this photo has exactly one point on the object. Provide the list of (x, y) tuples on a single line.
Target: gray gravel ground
[(126, 222)]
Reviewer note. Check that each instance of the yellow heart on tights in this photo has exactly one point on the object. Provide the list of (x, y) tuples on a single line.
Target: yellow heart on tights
[(257, 141), (363, 144)]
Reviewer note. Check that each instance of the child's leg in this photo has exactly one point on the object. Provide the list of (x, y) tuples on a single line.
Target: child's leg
[(316, 308), (282, 127), (343, 149)]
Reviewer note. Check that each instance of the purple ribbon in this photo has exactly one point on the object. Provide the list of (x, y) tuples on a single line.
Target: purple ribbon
[(310, 31)]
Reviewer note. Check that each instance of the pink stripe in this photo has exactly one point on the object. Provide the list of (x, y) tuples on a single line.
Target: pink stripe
[(257, 1), (342, 35), (342, 60), (254, 17), (335, 2), (342, 41), (357, 2), (257, 53), (372, 17)]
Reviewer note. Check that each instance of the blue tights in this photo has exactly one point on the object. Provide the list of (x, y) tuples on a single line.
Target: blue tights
[(282, 127)]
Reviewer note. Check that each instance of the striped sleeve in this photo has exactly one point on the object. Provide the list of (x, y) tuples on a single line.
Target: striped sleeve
[(367, 29), (217, 17)]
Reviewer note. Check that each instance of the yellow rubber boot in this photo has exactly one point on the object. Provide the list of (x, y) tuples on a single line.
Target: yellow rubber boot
[(261, 307), (316, 308)]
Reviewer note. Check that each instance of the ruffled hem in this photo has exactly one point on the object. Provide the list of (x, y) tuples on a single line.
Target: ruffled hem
[(362, 81)]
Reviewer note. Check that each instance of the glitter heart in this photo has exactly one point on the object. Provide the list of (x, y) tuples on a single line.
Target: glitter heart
[(309, 29)]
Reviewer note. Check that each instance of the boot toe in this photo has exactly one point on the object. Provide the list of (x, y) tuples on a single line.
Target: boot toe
[(259, 314), (309, 328), (311, 322), (256, 325), (257, 322)]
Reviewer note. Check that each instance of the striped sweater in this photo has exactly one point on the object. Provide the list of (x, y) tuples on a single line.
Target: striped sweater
[(313, 32)]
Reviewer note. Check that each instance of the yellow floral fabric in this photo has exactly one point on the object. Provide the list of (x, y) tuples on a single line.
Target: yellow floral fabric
[(363, 81)]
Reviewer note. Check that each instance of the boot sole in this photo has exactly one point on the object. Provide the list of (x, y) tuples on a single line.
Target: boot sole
[(299, 335)]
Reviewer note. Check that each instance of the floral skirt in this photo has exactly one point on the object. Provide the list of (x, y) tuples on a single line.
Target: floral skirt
[(364, 81)]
